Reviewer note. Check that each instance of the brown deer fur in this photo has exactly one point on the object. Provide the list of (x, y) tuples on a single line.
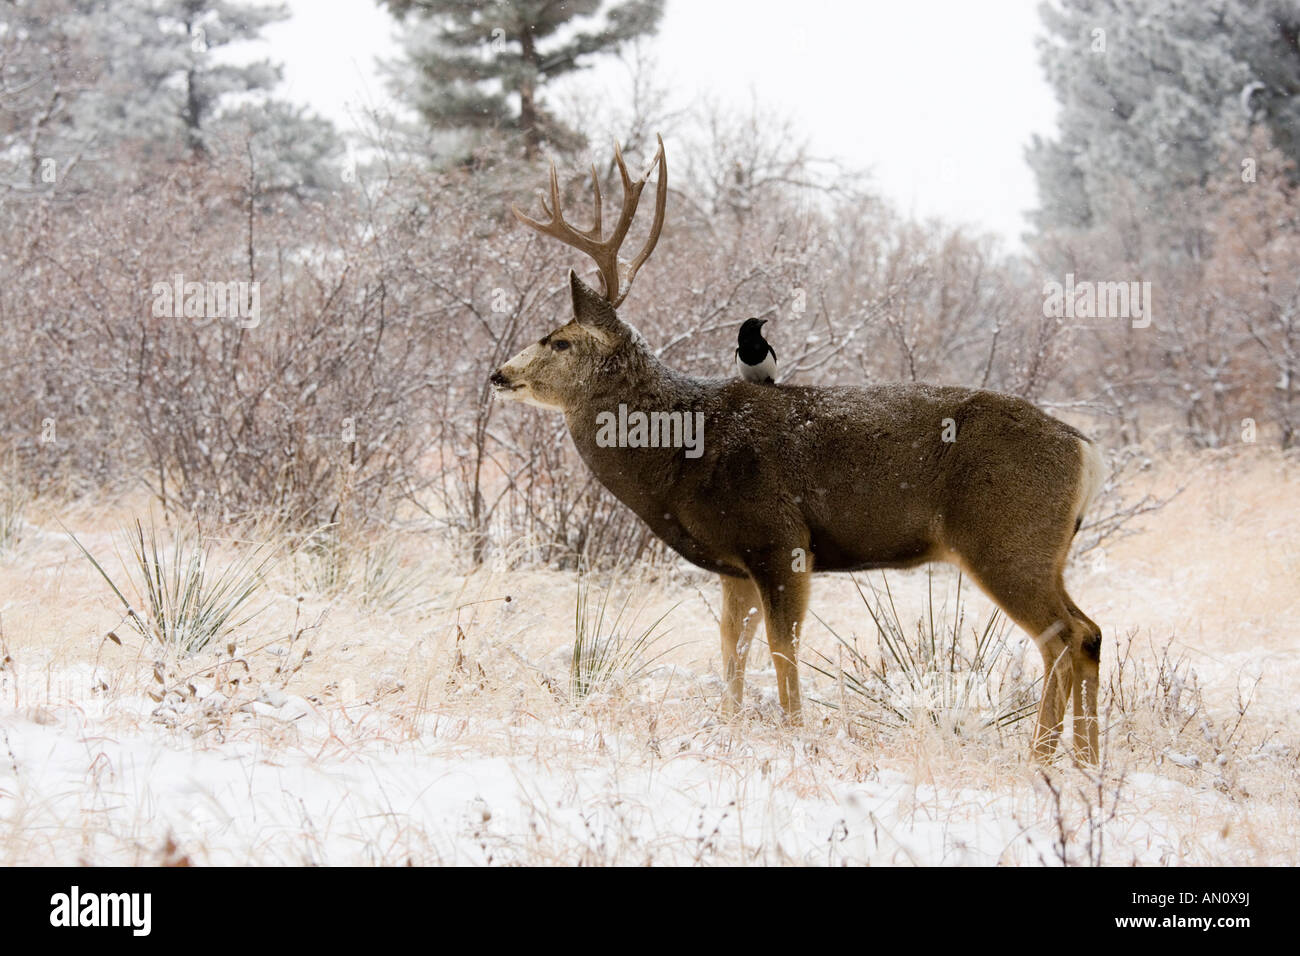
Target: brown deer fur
[(837, 479), (791, 479)]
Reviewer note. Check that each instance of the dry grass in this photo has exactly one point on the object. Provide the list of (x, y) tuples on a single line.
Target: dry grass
[(441, 727)]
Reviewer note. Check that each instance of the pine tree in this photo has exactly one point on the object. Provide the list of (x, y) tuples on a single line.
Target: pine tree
[(50, 64), (205, 97), (486, 65), (81, 80), (201, 28), (1154, 94)]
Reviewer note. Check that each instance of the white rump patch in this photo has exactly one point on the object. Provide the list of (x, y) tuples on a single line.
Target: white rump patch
[(1092, 475)]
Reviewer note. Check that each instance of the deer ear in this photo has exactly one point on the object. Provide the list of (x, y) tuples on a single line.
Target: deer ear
[(594, 313)]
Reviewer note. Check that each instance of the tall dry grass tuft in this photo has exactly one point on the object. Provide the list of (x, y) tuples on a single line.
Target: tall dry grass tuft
[(332, 561), (610, 651), (13, 503), (930, 672), (187, 598)]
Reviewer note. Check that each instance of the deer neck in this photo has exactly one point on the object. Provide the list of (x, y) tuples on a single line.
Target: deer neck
[(641, 477), (652, 481)]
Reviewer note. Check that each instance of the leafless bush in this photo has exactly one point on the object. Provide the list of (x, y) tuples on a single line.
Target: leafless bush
[(1160, 711), (1116, 514), (359, 393), (303, 409)]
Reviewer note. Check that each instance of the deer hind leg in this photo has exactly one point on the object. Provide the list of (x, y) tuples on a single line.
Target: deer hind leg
[(1057, 680), (1040, 606), (1086, 649), (741, 614)]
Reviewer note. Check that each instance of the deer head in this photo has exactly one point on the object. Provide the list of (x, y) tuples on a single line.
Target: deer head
[(556, 371)]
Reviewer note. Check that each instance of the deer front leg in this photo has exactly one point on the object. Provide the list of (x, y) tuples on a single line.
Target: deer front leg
[(785, 599), (741, 614)]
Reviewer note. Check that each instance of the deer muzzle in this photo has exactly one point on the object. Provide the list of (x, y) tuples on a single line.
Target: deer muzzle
[(501, 383)]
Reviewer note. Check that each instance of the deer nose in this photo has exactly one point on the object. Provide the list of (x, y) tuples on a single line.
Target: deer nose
[(498, 379)]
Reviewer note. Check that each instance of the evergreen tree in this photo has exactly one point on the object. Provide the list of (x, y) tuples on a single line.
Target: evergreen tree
[(206, 98), (1153, 95), (50, 65), (200, 29), (485, 65), (1266, 35), (82, 79)]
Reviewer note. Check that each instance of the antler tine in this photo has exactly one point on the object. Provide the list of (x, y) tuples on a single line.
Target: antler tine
[(546, 228), (557, 215), (622, 166), (656, 227), (604, 252), (595, 188), (614, 290), (631, 197)]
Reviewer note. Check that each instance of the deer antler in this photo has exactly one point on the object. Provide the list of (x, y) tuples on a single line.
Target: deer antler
[(616, 275)]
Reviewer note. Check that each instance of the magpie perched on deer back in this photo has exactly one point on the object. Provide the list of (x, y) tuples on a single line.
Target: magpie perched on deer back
[(756, 357)]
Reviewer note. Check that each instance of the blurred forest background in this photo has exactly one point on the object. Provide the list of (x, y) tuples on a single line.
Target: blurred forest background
[(393, 278)]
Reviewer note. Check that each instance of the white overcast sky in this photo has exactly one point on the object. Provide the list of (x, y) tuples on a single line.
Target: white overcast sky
[(937, 98)]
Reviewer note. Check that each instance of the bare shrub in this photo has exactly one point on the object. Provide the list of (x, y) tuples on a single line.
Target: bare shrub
[(358, 396)]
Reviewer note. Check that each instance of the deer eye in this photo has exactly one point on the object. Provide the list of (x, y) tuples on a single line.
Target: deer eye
[(559, 345)]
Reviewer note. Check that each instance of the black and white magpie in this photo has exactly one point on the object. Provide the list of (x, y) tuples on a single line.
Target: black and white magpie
[(757, 358)]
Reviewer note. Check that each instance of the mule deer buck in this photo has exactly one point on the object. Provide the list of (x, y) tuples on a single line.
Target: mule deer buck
[(792, 479)]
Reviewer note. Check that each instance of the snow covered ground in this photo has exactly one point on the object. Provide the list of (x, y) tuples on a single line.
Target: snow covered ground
[(312, 789), (442, 731)]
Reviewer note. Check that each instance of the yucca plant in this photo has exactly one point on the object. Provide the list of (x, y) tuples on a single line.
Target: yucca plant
[(610, 651), (385, 583), (320, 563), (328, 563), (186, 602), (931, 673)]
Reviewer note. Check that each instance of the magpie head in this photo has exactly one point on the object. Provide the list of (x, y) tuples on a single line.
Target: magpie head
[(751, 330)]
